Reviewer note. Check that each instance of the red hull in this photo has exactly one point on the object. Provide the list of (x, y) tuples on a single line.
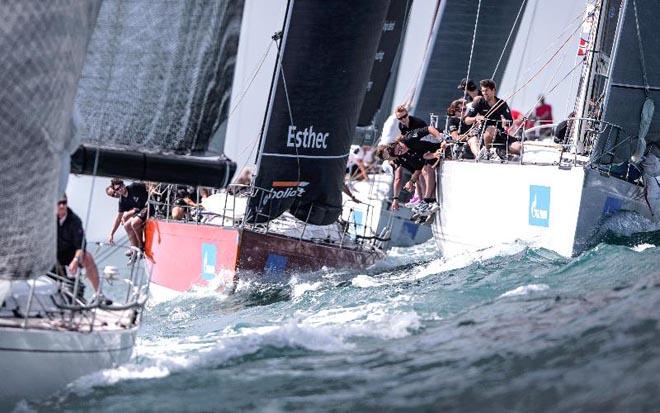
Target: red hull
[(188, 255)]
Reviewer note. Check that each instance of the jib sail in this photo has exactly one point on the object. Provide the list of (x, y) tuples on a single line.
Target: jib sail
[(43, 48), (157, 82), (323, 69)]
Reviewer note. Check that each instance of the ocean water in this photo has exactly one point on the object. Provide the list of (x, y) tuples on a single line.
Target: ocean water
[(511, 328)]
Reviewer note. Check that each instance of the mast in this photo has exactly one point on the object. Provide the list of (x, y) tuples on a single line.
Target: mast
[(587, 78)]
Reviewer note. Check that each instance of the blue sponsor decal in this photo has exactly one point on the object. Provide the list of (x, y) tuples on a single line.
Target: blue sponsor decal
[(209, 254), (612, 205), (357, 218), (539, 205), (275, 264), (410, 229)]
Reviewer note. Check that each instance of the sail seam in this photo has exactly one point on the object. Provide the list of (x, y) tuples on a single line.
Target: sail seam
[(287, 155)]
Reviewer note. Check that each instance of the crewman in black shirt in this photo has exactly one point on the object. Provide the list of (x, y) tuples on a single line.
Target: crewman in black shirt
[(406, 121), (71, 252), (493, 115), (406, 124), (132, 211), (416, 151)]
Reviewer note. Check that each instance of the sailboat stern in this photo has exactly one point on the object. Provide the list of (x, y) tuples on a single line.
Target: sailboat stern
[(184, 256)]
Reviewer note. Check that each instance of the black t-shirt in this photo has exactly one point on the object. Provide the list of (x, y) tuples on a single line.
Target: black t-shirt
[(421, 140), (413, 123), (457, 125), (70, 237), (411, 160), (494, 117), (137, 197)]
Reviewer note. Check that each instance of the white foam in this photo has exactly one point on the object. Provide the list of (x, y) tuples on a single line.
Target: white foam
[(524, 290), (642, 247), (329, 330), (299, 289), (365, 281)]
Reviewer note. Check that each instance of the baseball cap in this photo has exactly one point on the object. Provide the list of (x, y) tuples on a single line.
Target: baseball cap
[(467, 84)]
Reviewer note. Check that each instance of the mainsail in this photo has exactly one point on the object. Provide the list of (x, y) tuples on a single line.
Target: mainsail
[(42, 48), (449, 53), (157, 83), (322, 74), (633, 86)]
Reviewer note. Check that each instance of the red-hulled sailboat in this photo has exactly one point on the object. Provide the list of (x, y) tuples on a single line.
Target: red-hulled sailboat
[(287, 218)]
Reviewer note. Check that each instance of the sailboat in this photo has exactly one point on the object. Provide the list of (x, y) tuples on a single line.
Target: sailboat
[(375, 193), (286, 219), (605, 172), (49, 335)]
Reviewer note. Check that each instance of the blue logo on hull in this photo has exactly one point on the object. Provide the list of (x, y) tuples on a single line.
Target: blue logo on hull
[(612, 205), (410, 229), (275, 264), (209, 254), (539, 205)]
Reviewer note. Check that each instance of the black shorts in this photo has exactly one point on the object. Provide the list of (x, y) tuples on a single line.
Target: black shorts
[(503, 140)]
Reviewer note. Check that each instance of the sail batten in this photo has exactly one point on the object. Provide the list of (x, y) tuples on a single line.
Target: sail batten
[(328, 52)]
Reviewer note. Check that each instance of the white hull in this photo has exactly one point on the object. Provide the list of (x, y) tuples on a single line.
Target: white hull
[(375, 212), (36, 363), (484, 204)]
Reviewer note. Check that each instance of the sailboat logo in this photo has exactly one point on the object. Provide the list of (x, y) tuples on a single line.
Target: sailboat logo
[(539, 205), (209, 254), (289, 189)]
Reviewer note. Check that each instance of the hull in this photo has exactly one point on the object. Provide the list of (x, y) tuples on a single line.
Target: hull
[(484, 204), (36, 363), (185, 256), (374, 212)]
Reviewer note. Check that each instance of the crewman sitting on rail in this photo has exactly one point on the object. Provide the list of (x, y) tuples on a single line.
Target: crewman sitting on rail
[(492, 115), (460, 131)]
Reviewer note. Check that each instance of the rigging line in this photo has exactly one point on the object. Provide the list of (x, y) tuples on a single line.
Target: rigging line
[(546, 64), (288, 104), (254, 76), (474, 38), (524, 51), (551, 90), (551, 45), (522, 6), (641, 50), (83, 247)]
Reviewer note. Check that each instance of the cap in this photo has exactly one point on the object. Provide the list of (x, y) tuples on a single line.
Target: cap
[(467, 84)]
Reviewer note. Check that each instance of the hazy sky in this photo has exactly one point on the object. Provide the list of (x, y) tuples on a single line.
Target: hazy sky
[(537, 40)]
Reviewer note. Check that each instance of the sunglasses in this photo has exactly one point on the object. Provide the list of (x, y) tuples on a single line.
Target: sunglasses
[(61, 202), (402, 117)]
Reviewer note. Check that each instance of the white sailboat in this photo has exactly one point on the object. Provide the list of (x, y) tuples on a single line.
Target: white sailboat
[(563, 196)]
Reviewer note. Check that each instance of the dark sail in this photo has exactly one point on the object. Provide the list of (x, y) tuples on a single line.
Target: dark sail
[(383, 69), (628, 89), (328, 50), (450, 51), (43, 47), (158, 76)]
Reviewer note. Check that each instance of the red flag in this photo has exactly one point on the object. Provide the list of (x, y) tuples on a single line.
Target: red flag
[(582, 47)]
